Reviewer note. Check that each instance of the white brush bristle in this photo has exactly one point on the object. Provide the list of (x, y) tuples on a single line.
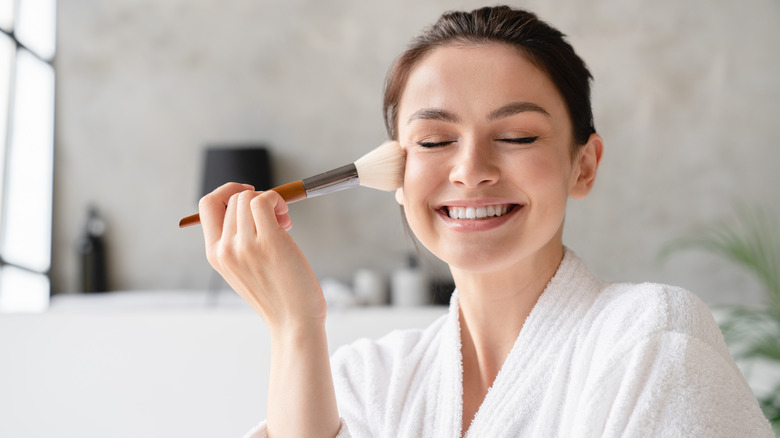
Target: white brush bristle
[(382, 168)]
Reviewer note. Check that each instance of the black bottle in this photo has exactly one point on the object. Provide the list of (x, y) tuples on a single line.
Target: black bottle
[(92, 254)]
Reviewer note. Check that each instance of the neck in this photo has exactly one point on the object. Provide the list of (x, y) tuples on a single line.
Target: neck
[(495, 305)]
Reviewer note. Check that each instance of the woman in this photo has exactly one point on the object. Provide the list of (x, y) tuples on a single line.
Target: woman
[(493, 110)]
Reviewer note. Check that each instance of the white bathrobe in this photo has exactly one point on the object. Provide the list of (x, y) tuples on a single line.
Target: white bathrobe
[(592, 360)]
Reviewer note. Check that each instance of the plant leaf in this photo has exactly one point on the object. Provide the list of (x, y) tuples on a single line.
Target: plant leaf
[(752, 241)]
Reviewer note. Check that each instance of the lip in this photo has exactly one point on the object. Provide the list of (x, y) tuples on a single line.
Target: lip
[(481, 202), (484, 224)]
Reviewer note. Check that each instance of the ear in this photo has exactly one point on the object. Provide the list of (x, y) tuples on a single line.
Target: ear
[(399, 196), (586, 166)]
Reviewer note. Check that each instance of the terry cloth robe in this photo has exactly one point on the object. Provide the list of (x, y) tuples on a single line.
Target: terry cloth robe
[(592, 360)]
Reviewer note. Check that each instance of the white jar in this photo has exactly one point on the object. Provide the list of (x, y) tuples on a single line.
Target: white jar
[(370, 287)]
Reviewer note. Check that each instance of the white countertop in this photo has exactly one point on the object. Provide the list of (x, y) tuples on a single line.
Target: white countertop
[(152, 363)]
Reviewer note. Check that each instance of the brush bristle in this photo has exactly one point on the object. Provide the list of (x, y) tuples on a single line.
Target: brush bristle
[(382, 168)]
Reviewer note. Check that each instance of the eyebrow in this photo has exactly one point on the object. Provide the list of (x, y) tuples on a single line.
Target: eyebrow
[(434, 114), (507, 110), (513, 108)]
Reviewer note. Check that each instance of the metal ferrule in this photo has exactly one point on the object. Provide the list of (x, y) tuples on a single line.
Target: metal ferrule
[(331, 181)]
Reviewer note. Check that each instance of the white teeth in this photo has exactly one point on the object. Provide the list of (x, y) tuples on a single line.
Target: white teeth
[(469, 213)]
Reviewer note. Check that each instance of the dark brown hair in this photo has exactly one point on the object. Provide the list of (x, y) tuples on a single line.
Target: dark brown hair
[(542, 44)]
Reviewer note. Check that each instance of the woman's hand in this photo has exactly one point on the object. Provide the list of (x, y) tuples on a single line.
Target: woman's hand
[(248, 244)]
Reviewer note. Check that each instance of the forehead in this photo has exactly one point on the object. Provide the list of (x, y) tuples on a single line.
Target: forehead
[(474, 80)]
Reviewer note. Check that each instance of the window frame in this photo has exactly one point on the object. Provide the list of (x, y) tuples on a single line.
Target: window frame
[(11, 299)]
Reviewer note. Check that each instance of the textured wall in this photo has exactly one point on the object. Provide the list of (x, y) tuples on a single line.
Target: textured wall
[(686, 96)]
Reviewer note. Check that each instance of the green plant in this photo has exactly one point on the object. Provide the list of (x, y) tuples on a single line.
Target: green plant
[(751, 240)]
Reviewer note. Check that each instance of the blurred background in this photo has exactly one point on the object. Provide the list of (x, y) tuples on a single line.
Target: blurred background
[(686, 97), (110, 106)]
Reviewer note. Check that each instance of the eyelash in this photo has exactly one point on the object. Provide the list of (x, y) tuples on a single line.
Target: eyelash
[(429, 144), (520, 140)]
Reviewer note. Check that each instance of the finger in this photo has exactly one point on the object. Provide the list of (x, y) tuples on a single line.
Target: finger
[(245, 223), (284, 221), (229, 225), (266, 208), (212, 210), (282, 216)]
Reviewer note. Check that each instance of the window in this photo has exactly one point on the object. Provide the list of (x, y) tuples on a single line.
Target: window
[(27, 50)]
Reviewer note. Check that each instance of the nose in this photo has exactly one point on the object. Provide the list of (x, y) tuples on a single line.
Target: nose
[(474, 165)]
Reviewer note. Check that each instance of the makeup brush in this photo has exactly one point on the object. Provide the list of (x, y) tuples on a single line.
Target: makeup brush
[(381, 169)]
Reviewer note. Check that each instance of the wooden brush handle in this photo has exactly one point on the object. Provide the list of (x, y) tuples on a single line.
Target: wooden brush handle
[(291, 192)]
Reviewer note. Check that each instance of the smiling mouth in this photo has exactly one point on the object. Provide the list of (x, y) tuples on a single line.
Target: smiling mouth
[(477, 213)]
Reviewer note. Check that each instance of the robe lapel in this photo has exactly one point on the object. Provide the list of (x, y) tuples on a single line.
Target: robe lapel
[(511, 405), (449, 367)]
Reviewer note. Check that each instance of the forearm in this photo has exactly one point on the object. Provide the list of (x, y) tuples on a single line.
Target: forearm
[(301, 398)]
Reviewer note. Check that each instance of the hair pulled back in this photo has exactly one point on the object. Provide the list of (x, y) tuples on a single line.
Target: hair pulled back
[(543, 45)]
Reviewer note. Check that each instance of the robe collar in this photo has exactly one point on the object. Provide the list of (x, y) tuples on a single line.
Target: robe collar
[(561, 306)]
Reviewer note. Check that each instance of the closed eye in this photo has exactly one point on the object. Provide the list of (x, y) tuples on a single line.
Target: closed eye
[(519, 140), (433, 144)]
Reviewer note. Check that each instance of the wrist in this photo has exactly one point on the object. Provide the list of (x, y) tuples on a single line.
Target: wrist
[(301, 333)]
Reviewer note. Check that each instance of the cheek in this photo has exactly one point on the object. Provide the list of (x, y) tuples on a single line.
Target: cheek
[(413, 173), (421, 180), (419, 177), (535, 169), (545, 179)]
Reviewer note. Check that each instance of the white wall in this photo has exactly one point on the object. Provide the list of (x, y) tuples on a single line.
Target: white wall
[(686, 96)]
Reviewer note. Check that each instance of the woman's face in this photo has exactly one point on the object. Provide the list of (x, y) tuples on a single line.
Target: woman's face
[(489, 166)]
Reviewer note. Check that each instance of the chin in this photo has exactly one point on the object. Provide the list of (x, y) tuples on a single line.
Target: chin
[(482, 259)]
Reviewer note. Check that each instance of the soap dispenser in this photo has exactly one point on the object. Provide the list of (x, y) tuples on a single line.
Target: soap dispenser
[(92, 254)]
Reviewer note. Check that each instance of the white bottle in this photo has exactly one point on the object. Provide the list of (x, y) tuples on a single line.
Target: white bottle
[(410, 286), (370, 287)]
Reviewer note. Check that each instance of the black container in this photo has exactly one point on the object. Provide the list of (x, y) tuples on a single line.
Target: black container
[(92, 254)]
